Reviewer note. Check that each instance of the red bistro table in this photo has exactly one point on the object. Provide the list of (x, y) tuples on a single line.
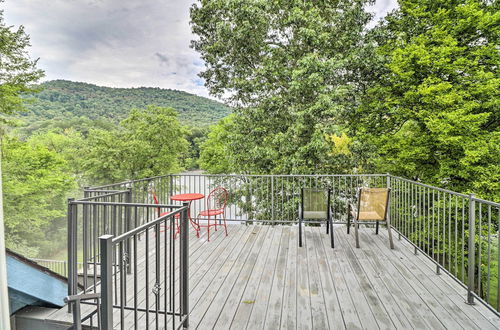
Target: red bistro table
[(189, 198)]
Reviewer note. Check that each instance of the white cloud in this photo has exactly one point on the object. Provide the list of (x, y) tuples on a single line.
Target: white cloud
[(117, 43), (381, 7)]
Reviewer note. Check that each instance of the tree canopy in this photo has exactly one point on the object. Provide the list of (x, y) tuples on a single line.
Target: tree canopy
[(433, 112), (36, 181), (290, 68), (316, 91), (148, 142), (17, 71), (62, 100)]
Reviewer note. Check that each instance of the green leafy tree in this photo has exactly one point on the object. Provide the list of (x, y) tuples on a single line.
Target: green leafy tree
[(105, 150), (433, 113), (17, 70), (196, 136), (291, 68), (215, 155), (147, 143), (36, 181), (66, 143)]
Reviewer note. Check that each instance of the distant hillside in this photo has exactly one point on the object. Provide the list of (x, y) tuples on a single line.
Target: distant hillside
[(67, 99)]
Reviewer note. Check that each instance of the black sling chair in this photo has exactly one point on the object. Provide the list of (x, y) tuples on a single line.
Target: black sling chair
[(315, 205)]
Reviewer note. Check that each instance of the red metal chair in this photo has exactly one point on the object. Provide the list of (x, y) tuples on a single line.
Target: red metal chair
[(177, 216), (216, 205)]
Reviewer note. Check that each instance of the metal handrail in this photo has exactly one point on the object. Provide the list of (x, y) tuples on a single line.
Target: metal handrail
[(77, 316), (147, 225), (103, 196), (428, 186), (152, 206)]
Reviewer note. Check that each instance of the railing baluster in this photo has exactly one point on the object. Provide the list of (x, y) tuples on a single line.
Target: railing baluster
[(471, 254), (185, 266), (498, 261), (489, 256), (463, 239), (146, 271), (123, 280), (135, 281)]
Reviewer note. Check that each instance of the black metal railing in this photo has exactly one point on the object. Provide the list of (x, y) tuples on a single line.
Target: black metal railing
[(254, 198), (113, 238), (458, 232), (57, 266)]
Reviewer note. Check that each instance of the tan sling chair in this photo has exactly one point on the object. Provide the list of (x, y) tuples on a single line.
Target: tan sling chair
[(372, 207)]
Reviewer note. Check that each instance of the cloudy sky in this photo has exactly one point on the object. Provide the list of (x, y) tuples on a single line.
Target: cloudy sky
[(117, 43)]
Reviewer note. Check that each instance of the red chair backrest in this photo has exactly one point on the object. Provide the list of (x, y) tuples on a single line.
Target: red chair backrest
[(156, 201), (154, 197), (217, 199)]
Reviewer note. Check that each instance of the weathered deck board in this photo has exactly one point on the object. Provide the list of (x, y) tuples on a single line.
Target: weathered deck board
[(316, 294), (424, 305), (438, 305), (199, 261), (304, 313), (345, 300), (215, 278), (381, 282), (234, 281), (258, 278), (245, 305), (289, 307), (273, 314), (232, 301), (258, 315), (447, 291)]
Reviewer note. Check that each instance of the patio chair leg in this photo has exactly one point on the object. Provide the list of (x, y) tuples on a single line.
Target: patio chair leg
[(300, 232), (376, 228), (208, 230), (332, 238), (391, 243), (225, 225), (356, 229)]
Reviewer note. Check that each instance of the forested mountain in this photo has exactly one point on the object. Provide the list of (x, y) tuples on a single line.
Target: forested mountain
[(67, 99)]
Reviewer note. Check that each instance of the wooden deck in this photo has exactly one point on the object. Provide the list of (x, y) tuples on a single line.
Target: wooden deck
[(258, 278)]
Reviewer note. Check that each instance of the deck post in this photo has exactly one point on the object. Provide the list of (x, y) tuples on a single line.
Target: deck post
[(272, 199), (471, 251), (106, 245), (388, 212), (389, 208), (71, 252), (185, 264), (128, 226)]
